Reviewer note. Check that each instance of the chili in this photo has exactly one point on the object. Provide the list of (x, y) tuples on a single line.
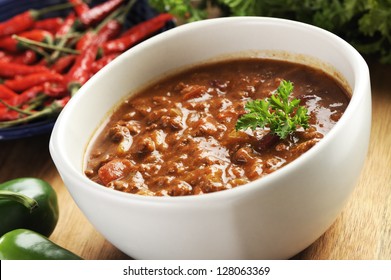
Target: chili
[(26, 57), (66, 26), (136, 34), (103, 61), (29, 94), (24, 244), (8, 95), (29, 203), (79, 6), (6, 56), (108, 29), (177, 136), (20, 84), (7, 115), (13, 45), (45, 60), (49, 24), (26, 20), (51, 109), (62, 64), (54, 89), (81, 69), (10, 70), (97, 13)]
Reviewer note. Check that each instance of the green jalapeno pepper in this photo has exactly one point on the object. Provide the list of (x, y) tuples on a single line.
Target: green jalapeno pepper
[(24, 244), (29, 203)]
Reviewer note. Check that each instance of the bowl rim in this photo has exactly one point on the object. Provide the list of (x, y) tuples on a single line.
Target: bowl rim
[(358, 93)]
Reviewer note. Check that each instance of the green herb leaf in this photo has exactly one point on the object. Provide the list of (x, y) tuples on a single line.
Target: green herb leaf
[(365, 24), (280, 113)]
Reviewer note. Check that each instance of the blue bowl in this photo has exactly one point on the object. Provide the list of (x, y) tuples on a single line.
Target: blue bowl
[(141, 11)]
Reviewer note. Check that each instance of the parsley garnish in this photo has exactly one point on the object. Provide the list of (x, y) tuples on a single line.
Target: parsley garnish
[(282, 115)]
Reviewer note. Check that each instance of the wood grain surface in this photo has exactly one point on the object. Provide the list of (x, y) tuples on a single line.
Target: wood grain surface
[(361, 232)]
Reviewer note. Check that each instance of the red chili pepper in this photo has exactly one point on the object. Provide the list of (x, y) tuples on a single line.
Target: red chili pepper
[(29, 94), (67, 25), (55, 89), (85, 40), (11, 44), (136, 34), (18, 23), (5, 56), (50, 109), (27, 57), (99, 12), (7, 114), (108, 32), (8, 95), (108, 29), (10, 70), (63, 63), (81, 69), (25, 82), (26, 20), (49, 24), (79, 6), (100, 63)]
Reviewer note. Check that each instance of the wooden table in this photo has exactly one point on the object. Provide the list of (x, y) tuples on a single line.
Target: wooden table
[(362, 231)]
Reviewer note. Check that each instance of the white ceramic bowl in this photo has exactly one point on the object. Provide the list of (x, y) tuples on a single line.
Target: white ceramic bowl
[(272, 218)]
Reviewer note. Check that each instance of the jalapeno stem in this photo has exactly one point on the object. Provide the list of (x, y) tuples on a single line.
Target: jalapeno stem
[(28, 202)]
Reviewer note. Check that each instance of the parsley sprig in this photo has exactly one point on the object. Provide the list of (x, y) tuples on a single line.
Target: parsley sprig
[(278, 112)]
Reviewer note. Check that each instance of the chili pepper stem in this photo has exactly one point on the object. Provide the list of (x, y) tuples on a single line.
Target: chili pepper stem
[(15, 108), (122, 12), (74, 87), (127, 9), (36, 102), (36, 49), (28, 202), (51, 109), (49, 9), (53, 57), (43, 45)]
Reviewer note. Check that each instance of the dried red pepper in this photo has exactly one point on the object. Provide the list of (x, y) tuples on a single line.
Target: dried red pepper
[(96, 14), (63, 64), (35, 78), (26, 57), (67, 25), (7, 114), (136, 34), (5, 56), (27, 81), (55, 89), (51, 109), (81, 69), (79, 6), (8, 95), (29, 94), (49, 24), (85, 40), (9, 43), (103, 61), (26, 20), (10, 70), (108, 29)]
